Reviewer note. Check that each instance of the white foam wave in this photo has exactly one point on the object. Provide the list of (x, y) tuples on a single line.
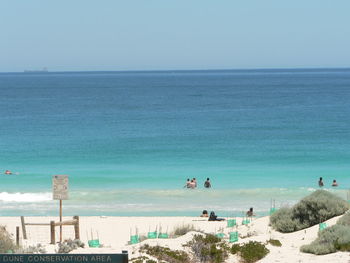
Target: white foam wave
[(25, 197)]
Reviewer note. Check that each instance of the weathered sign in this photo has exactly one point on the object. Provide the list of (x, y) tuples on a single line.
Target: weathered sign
[(66, 258), (60, 187)]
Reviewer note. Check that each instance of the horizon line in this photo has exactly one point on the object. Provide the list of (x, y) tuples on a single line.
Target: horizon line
[(175, 70)]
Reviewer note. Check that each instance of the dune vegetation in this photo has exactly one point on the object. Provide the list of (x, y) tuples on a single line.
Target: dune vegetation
[(331, 239), (315, 208)]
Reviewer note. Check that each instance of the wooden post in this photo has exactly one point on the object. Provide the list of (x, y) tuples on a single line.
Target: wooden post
[(17, 235), (60, 221), (76, 227), (23, 228), (52, 230)]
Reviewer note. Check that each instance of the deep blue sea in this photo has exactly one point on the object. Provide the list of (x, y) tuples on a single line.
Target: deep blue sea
[(129, 140)]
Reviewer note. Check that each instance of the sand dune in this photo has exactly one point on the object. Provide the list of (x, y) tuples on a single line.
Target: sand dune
[(114, 234)]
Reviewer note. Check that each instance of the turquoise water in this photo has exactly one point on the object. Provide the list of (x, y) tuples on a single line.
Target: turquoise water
[(129, 140)]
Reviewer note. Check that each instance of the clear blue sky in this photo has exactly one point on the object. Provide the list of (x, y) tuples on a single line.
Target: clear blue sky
[(173, 34)]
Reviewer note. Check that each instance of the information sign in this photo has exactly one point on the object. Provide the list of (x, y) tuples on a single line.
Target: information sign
[(66, 258), (60, 187)]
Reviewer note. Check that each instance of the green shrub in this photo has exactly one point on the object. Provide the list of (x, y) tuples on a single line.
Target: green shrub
[(344, 220), (311, 210), (208, 248), (166, 254), (282, 220), (250, 252), (142, 259), (329, 240), (275, 242), (235, 249), (342, 247), (6, 241), (318, 207)]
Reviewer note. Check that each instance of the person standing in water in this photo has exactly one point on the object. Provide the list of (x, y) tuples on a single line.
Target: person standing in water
[(207, 183), (334, 183), (194, 182), (320, 182), (188, 184)]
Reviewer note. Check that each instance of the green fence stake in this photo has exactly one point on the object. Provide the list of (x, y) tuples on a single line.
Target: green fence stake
[(322, 226), (134, 239), (163, 235), (94, 243), (231, 222), (152, 235), (233, 237)]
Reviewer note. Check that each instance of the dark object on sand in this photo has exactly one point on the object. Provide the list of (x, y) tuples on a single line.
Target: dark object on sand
[(214, 217), (250, 212), (204, 213)]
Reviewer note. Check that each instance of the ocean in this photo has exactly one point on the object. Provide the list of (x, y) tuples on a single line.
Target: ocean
[(129, 140)]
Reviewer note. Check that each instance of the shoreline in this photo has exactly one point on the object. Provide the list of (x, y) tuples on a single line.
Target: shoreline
[(148, 203)]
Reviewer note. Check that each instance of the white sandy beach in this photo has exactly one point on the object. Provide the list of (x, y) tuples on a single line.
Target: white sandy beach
[(114, 234)]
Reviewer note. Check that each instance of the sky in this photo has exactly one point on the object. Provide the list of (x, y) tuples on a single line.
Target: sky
[(84, 35)]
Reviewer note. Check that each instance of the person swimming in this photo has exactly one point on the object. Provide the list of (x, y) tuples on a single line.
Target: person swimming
[(334, 183), (8, 172)]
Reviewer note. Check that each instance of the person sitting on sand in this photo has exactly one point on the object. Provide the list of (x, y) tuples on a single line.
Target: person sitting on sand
[(214, 217), (204, 213), (250, 212), (334, 183), (207, 183), (8, 172), (320, 182)]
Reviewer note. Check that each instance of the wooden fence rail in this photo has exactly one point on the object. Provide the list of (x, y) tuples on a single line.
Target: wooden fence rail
[(74, 222)]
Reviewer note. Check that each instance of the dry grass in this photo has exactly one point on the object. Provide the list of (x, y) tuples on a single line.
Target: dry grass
[(6, 241), (184, 229)]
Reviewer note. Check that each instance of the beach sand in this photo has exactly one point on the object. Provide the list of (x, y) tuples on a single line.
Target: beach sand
[(114, 234)]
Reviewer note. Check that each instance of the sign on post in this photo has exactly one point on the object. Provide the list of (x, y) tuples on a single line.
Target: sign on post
[(60, 192), (60, 187)]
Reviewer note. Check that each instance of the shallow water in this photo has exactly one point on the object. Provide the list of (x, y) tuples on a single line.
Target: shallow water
[(129, 140)]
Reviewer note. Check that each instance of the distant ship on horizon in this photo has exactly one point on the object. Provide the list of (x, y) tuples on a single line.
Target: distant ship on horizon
[(43, 70)]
